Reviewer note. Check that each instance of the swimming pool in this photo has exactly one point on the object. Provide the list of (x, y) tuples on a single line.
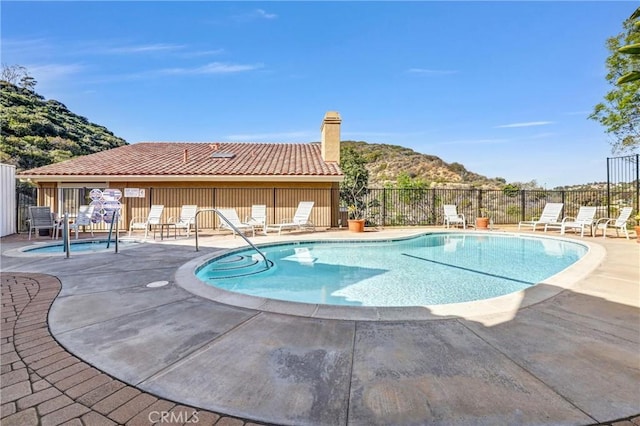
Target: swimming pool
[(430, 269)]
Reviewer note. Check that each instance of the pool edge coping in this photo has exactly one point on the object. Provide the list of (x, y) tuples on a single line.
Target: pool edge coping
[(24, 250), (492, 309)]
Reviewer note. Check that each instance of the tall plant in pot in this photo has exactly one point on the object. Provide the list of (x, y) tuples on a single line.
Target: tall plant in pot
[(356, 222), (637, 226), (482, 221), (353, 188)]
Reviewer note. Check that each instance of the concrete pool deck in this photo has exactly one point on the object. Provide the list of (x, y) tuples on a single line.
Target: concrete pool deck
[(572, 359)]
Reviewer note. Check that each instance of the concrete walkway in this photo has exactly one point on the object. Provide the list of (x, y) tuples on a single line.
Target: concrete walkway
[(572, 359)]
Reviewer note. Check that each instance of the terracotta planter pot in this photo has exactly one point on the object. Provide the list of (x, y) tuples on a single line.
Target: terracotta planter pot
[(482, 223), (637, 229), (356, 225)]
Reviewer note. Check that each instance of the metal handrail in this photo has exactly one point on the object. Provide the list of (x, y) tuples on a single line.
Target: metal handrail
[(236, 230), (114, 221)]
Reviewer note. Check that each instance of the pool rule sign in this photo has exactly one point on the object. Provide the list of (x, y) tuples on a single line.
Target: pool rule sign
[(105, 203)]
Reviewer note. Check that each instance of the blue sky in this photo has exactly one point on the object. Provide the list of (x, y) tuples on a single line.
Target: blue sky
[(504, 88)]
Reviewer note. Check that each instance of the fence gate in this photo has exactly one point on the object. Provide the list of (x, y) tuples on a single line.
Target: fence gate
[(623, 182)]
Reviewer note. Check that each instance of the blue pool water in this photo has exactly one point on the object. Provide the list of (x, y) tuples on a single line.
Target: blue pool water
[(427, 270), (80, 246)]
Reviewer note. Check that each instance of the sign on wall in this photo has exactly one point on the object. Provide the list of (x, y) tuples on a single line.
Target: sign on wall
[(134, 192), (105, 203)]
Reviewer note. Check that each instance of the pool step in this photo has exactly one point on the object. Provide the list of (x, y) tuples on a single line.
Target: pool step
[(235, 266)]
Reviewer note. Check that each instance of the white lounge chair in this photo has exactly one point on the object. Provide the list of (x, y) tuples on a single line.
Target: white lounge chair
[(300, 219), (451, 216), (619, 223), (153, 219), (83, 218), (187, 218), (550, 214), (41, 217), (232, 217), (258, 217), (583, 220)]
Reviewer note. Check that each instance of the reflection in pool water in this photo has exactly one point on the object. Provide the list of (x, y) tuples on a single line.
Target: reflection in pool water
[(427, 270)]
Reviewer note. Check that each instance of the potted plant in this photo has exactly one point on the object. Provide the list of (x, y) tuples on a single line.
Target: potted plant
[(353, 188), (355, 221), (482, 221), (637, 227)]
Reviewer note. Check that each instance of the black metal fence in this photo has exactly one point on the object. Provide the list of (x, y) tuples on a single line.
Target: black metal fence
[(381, 207), (402, 207)]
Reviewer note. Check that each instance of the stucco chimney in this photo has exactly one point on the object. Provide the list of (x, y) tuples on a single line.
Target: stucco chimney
[(330, 136)]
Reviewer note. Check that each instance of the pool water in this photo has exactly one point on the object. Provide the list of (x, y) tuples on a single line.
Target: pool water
[(427, 270), (81, 246)]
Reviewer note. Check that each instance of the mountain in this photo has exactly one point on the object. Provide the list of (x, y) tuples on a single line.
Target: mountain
[(35, 132), (386, 162)]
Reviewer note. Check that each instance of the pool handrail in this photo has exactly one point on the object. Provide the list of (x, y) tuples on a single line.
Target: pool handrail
[(232, 226)]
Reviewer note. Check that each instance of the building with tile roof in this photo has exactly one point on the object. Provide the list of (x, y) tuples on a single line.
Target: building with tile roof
[(211, 175)]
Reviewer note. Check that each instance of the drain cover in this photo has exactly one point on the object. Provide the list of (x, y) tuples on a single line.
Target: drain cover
[(157, 284)]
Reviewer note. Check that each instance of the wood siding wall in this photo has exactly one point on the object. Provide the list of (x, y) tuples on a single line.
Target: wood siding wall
[(281, 201)]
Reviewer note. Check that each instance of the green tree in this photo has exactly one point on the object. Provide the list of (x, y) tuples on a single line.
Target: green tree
[(620, 111), (18, 75), (354, 187), (511, 190), (632, 49)]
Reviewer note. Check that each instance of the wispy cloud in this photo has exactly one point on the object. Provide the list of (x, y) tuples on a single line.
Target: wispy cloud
[(143, 48), (54, 71), (428, 71), (52, 78), (201, 53), (254, 15), (212, 68), (525, 124), (24, 46), (262, 14)]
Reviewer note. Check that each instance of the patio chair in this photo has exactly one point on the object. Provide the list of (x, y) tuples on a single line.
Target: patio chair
[(187, 218), (41, 217), (550, 214), (232, 217), (153, 219), (619, 223), (451, 216), (83, 218), (300, 219), (584, 219), (258, 217)]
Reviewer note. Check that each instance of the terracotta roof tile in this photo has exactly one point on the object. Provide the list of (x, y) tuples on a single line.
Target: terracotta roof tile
[(167, 158)]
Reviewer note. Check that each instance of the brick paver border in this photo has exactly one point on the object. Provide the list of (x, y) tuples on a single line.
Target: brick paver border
[(43, 384)]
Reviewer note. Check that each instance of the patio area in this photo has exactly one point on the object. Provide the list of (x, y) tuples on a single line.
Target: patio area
[(85, 341)]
